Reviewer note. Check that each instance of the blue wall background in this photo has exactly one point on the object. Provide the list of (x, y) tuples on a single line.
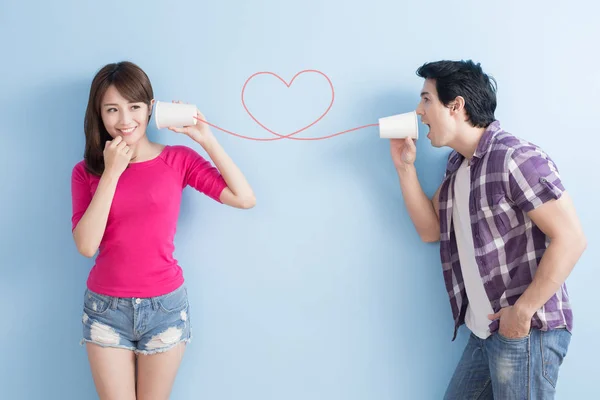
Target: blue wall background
[(323, 290)]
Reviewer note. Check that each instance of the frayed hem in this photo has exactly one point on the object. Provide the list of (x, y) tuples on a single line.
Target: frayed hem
[(162, 349), (114, 346), (135, 350)]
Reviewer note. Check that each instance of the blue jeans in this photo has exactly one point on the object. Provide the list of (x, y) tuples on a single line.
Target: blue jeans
[(510, 369)]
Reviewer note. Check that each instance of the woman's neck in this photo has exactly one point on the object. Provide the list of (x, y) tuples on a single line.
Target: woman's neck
[(145, 150)]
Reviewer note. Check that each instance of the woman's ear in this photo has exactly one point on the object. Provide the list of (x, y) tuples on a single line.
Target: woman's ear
[(150, 109)]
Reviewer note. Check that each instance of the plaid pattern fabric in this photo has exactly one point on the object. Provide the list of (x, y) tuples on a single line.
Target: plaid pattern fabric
[(509, 177)]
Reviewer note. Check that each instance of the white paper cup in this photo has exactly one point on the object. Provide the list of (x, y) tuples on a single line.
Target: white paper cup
[(174, 114), (399, 126)]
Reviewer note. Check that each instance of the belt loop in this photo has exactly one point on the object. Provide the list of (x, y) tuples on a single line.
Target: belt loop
[(154, 303), (114, 302)]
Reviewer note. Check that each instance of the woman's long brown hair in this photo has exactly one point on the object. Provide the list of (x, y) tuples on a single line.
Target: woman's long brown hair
[(133, 84)]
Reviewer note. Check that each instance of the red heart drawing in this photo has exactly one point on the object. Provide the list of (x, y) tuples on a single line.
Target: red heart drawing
[(280, 136)]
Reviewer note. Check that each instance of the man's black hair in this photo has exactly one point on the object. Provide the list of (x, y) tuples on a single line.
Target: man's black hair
[(466, 79)]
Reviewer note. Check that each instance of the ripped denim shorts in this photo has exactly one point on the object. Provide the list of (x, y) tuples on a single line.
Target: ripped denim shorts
[(143, 325)]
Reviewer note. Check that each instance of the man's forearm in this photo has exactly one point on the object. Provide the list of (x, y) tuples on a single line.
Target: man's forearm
[(419, 206), (554, 268)]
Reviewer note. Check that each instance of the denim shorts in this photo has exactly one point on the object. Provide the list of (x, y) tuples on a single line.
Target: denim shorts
[(143, 325)]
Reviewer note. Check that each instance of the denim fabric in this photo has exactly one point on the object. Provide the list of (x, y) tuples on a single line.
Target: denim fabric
[(510, 369), (143, 325)]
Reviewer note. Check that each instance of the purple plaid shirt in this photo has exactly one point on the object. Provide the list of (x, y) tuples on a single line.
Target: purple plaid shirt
[(509, 177)]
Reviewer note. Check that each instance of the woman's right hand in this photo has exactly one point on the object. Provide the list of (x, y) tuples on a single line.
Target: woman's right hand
[(117, 156), (404, 152)]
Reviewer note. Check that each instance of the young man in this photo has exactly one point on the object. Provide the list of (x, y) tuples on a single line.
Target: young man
[(509, 237)]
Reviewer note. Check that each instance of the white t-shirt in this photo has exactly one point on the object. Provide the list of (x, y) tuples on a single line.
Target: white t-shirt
[(479, 306)]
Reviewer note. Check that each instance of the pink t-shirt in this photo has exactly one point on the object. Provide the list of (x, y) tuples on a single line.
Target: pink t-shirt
[(136, 252)]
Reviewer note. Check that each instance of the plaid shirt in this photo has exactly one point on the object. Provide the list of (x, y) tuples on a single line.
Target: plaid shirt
[(509, 177)]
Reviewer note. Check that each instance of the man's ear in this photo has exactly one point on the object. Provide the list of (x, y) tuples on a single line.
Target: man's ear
[(457, 105)]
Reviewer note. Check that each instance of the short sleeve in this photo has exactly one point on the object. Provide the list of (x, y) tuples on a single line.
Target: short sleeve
[(533, 178), (81, 194), (202, 175)]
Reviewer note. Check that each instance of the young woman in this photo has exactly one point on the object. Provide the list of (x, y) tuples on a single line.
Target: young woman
[(126, 197)]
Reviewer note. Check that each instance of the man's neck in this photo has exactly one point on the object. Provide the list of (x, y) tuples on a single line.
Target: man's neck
[(467, 140)]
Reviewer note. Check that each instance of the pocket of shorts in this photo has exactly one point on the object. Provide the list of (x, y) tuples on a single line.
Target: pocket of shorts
[(94, 303), (174, 302)]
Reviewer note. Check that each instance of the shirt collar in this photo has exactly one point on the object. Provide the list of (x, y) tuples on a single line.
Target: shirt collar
[(485, 143)]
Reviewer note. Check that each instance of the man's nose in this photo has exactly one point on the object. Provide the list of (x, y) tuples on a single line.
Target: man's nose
[(420, 110)]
